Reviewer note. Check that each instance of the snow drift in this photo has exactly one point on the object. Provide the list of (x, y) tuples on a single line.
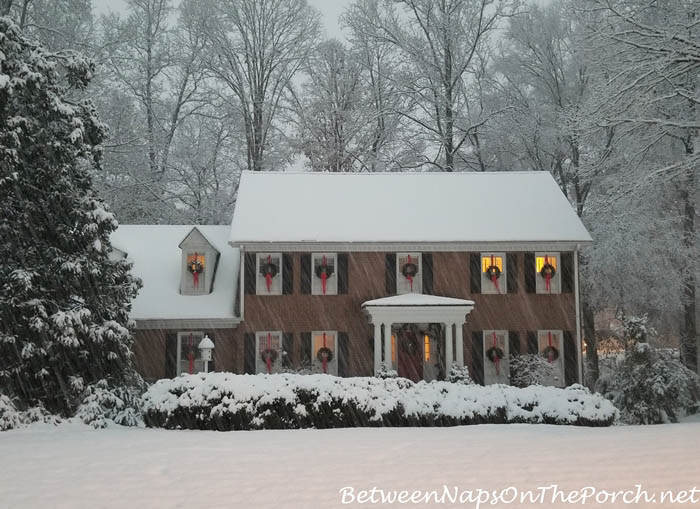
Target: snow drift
[(224, 401)]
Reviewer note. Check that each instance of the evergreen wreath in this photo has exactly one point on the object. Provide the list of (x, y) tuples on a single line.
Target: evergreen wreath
[(550, 353), (269, 352), (324, 351), (321, 268), (195, 267), (269, 268), (409, 269), (492, 271), (495, 354), (548, 270)]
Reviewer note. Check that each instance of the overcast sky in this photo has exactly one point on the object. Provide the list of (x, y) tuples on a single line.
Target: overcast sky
[(330, 10)]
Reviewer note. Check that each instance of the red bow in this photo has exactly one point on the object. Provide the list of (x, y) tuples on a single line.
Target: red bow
[(324, 277), (195, 273), (268, 275), (547, 276), (494, 279)]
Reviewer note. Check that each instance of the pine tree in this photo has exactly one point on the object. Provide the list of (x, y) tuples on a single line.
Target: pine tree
[(63, 303)]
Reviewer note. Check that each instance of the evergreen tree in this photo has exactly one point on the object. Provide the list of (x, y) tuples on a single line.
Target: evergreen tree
[(64, 303)]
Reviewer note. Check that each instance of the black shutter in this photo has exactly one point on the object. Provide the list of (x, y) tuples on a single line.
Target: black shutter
[(478, 357), (343, 353), (530, 272), (306, 349), (390, 273), (512, 274), (342, 273), (287, 274), (287, 347), (570, 359), (171, 355), (305, 274), (532, 346), (513, 343), (567, 272), (249, 353), (427, 273), (475, 273), (250, 275)]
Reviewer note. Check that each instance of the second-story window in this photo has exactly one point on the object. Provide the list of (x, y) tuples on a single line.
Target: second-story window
[(269, 274), (493, 273), (324, 274), (547, 275), (409, 275)]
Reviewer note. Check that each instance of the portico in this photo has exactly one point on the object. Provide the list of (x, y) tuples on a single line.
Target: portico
[(414, 308)]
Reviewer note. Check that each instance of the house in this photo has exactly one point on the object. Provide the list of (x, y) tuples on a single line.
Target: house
[(341, 273)]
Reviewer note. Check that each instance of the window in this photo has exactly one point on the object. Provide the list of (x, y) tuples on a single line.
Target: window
[(269, 274), (550, 346), (426, 348), (409, 275), (188, 354), (324, 274), (268, 346), (496, 368), (393, 349), (195, 278), (324, 352), (548, 278), (493, 273)]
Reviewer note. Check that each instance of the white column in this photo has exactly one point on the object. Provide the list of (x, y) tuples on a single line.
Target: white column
[(448, 347), (459, 344), (377, 347), (387, 346)]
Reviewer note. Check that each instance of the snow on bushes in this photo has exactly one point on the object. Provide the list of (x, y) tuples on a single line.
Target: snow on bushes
[(103, 405), (224, 401), (529, 369), (11, 417)]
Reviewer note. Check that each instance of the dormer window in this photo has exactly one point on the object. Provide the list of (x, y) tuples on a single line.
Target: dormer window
[(409, 275), (199, 258), (324, 274), (269, 274), (547, 274), (493, 273)]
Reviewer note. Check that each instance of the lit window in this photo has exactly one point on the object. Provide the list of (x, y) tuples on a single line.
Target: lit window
[(194, 277), (269, 352), (493, 273), (426, 341), (324, 352), (548, 277), (393, 348)]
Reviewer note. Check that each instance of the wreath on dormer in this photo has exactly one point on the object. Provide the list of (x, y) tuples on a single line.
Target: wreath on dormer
[(409, 270), (268, 270)]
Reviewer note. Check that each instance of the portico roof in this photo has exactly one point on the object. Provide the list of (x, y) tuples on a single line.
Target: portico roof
[(417, 299)]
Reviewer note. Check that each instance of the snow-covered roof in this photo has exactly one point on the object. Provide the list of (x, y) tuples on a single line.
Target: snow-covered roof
[(157, 259), (288, 207), (417, 299)]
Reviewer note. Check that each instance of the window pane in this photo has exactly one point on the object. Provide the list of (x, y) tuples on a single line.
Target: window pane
[(552, 260), (487, 261), (319, 342)]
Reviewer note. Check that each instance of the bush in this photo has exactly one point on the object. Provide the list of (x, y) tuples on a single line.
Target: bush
[(650, 386), (224, 401), (103, 405), (11, 417), (459, 375), (529, 369)]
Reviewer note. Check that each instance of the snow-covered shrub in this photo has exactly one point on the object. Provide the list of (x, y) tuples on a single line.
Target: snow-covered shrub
[(650, 386), (224, 401), (103, 405), (11, 417), (529, 369), (384, 372), (459, 375)]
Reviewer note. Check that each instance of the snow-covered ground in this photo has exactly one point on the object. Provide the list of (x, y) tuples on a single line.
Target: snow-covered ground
[(74, 466)]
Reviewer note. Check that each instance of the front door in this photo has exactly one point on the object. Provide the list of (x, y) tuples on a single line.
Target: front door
[(410, 354)]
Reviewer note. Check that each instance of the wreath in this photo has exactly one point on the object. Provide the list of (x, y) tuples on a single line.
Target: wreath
[(269, 353), (320, 270), (409, 270), (495, 354), (324, 352), (548, 271), (493, 272), (269, 268), (195, 267), (550, 353)]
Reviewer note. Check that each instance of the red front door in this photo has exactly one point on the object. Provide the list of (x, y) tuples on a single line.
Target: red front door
[(410, 355)]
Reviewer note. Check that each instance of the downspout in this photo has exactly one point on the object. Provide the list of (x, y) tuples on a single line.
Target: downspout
[(241, 286), (577, 298)]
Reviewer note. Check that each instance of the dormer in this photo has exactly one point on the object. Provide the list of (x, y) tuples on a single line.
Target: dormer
[(198, 265)]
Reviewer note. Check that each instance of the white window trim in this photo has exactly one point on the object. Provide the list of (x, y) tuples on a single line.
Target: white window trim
[(487, 336), (556, 280), (180, 335), (559, 380), (487, 286), (331, 282), (203, 277), (261, 334), (399, 275), (315, 365), (279, 277)]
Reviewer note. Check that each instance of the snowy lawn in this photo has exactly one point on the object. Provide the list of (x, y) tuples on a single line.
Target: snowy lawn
[(74, 466)]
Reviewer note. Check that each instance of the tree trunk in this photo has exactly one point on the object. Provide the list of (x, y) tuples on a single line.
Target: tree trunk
[(5, 6), (589, 336), (689, 327)]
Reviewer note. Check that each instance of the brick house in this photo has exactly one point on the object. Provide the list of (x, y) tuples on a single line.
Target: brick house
[(339, 273)]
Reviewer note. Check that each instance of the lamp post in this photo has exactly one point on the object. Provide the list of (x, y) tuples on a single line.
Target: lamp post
[(205, 348)]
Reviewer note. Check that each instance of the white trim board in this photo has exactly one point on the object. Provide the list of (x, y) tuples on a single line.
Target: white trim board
[(342, 247)]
